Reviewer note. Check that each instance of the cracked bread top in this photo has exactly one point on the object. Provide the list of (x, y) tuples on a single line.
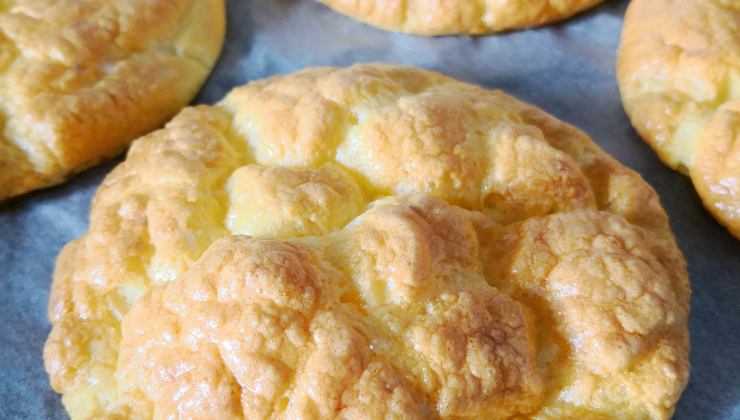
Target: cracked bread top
[(679, 76), (81, 79), (374, 241)]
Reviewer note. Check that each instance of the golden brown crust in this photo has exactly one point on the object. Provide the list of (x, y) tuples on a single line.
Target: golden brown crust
[(81, 79), (302, 339), (679, 75), (413, 237), (440, 17), (611, 301)]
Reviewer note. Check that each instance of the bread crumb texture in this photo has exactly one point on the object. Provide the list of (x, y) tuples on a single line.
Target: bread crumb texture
[(80, 79), (370, 242), (440, 17), (679, 75)]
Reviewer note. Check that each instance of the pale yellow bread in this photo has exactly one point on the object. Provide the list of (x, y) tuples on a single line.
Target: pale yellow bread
[(79, 80), (441, 17), (370, 242), (679, 75)]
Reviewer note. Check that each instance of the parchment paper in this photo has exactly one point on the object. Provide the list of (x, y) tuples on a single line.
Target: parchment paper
[(566, 69)]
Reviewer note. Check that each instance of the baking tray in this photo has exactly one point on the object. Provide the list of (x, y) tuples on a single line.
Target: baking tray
[(566, 69)]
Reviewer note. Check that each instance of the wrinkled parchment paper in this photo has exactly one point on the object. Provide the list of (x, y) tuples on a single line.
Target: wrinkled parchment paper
[(566, 69)]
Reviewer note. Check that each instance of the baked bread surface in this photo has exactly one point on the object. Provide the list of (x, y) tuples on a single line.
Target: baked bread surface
[(679, 76), (79, 80), (370, 242), (440, 17)]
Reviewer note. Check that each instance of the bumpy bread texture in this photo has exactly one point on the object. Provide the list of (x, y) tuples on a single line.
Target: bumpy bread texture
[(81, 79), (440, 17), (679, 74), (404, 246)]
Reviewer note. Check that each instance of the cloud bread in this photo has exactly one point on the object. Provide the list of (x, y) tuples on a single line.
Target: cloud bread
[(375, 241), (679, 75), (440, 17), (80, 79)]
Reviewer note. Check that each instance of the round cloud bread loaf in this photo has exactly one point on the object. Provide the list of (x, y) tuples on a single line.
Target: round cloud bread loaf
[(679, 75), (440, 17), (370, 242), (79, 80)]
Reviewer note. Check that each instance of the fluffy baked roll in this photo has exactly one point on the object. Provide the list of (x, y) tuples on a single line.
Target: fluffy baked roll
[(370, 242), (81, 79), (679, 75), (441, 17)]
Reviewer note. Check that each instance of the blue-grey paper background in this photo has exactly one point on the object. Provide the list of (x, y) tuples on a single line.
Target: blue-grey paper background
[(566, 69)]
